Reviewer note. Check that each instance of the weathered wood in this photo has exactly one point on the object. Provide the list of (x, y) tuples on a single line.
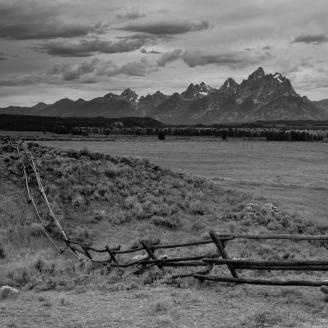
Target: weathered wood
[(219, 245), (150, 252), (97, 250), (85, 250), (184, 264), (179, 259), (264, 236), (111, 255), (137, 249), (263, 282), (187, 244), (266, 262), (31, 200), (282, 268), (42, 192)]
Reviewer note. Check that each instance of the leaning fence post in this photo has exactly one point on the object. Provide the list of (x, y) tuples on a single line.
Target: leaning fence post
[(150, 253), (111, 254), (219, 245), (85, 250)]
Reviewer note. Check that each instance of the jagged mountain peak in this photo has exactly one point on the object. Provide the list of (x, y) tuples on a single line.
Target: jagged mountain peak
[(197, 90), (229, 85), (261, 96), (158, 93), (129, 95), (257, 74)]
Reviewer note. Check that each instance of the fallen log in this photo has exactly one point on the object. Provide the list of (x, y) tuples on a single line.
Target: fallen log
[(281, 236), (266, 262), (308, 283)]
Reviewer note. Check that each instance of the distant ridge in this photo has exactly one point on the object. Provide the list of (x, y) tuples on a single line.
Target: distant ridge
[(260, 97)]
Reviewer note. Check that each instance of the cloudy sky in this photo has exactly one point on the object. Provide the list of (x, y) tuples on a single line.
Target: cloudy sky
[(51, 49)]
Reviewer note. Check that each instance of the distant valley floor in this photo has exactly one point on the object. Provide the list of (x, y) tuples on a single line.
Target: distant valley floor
[(293, 174)]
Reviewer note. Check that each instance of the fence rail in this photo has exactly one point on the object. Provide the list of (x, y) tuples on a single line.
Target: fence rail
[(220, 256)]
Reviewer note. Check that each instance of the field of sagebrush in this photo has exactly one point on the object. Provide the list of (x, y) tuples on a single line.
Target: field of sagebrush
[(291, 173), (103, 199)]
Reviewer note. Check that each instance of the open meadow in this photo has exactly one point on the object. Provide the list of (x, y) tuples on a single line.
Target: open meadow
[(294, 174), (103, 197)]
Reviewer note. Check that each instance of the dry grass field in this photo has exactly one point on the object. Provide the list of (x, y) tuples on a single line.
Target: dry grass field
[(293, 174), (108, 199)]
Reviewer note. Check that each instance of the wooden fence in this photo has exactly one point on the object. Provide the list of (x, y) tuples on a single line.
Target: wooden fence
[(221, 258), (149, 258)]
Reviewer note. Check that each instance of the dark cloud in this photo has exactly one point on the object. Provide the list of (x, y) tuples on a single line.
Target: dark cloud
[(197, 58), (68, 72), (2, 56), (130, 15), (152, 52), (85, 48), (169, 56), (231, 60), (23, 20), (89, 71), (267, 48), (94, 69), (138, 68), (166, 28), (314, 39)]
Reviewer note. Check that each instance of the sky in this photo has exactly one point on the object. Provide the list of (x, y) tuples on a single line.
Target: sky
[(84, 49)]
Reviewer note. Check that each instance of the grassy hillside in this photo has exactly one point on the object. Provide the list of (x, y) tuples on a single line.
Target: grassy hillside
[(113, 200)]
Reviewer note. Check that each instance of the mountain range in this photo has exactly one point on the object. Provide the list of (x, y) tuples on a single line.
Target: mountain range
[(260, 97)]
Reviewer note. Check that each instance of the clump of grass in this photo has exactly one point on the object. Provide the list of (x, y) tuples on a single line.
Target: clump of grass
[(172, 222), (78, 200), (36, 230), (162, 306), (197, 207), (264, 319), (81, 234)]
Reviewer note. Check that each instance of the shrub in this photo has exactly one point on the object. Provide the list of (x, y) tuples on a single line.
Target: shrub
[(81, 235), (36, 230), (2, 252), (162, 306), (168, 222), (8, 292), (84, 152), (78, 200), (197, 208)]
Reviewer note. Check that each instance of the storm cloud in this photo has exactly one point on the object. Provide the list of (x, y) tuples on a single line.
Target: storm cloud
[(314, 38), (94, 69), (198, 58), (26, 20), (130, 15), (50, 47), (85, 48), (88, 71), (167, 28)]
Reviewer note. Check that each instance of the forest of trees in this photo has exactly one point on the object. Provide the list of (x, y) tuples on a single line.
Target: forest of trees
[(271, 131)]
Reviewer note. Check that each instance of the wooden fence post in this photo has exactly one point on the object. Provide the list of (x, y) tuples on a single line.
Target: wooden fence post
[(111, 254), (219, 245), (85, 250), (150, 253)]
